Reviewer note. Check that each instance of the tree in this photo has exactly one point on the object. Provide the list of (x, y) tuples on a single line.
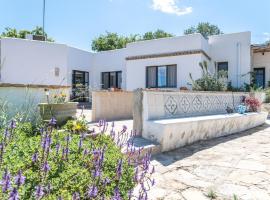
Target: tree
[(14, 33), (156, 35), (204, 28), (111, 41)]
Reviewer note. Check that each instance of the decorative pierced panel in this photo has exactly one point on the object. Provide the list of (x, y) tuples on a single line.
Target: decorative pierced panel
[(188, 104)]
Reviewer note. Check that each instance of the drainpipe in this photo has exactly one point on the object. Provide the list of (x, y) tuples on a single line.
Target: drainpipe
[(238, 70)]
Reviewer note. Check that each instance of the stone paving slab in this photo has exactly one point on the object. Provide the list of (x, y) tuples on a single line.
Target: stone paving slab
[(236, 165)]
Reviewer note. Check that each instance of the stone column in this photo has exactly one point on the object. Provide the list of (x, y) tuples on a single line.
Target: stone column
[(138, 112)]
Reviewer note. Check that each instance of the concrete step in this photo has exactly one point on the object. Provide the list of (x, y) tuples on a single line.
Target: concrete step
[(143, 146)]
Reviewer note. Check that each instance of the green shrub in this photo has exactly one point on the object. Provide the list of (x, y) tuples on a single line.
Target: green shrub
[(72, 165), (76, 126)]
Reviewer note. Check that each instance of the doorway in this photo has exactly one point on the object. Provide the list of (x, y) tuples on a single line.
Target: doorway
[(80, 86), (259, 77)]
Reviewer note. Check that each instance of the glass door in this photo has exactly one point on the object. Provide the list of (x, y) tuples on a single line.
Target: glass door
[(80, 86), (260, 77)]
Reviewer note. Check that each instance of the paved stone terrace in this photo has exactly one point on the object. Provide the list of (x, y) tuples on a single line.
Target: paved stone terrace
[(234, 165)]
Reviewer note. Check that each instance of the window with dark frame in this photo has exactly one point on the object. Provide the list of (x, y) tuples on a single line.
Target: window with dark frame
[(80, 86), (111, 79), (161, 76), (222, 66)]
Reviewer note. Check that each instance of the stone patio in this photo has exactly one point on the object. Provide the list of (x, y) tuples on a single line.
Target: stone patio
[(232, 167)]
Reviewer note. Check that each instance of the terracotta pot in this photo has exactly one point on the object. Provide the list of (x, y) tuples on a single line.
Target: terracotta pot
[(60, 111)]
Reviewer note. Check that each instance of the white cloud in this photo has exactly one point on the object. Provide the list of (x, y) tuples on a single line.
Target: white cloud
[(170, 7)]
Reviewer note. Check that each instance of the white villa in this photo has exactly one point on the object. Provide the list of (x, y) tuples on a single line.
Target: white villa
[(161, 63)]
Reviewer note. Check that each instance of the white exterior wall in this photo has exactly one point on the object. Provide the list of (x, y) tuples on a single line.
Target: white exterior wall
[(136, 69), (262, 61), (33, 62), (78, 60), (224, 48), (165, 45), (108, 61)]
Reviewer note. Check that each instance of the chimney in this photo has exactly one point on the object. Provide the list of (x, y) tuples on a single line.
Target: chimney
[(35, 37)]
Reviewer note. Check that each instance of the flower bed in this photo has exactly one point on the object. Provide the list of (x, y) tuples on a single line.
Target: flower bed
[(60, 165)]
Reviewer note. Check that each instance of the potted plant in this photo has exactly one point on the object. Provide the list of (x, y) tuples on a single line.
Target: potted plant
[(59, 108), (253, 104)]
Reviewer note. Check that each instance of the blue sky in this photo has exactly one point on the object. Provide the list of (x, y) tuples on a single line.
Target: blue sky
[(77, 22)]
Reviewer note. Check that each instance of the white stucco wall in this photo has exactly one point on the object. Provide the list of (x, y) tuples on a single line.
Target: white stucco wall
[(136, 69), (167, 45), (108, 61), (262, 61), (224, 48), (78, 59), (33, 62)]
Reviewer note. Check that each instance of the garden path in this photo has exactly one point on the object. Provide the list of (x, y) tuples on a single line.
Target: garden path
[(237, 165)]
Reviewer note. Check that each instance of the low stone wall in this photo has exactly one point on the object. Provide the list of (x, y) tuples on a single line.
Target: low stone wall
[(112, 105), (160, 105), (175, 133)]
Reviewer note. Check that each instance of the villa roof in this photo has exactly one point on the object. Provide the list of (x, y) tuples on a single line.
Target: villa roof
[(260, 48)]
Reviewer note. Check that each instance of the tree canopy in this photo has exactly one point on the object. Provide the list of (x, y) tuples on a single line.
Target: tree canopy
[(12, 32), (111, 41), (204, 28)]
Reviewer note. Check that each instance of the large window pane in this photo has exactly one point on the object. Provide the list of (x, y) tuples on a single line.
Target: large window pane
[(162, 76), (113, 79), (172, 76), (119, 80), (105, 80), (151, 77), (222, 67)]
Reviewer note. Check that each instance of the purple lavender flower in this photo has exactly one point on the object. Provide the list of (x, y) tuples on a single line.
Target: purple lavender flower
[(14, 195), (12, 124), (49, 188), (124, 129), (153, 182), (57, 147), (119, 168), (106, 181), (35, 157), (66, 152), (46, 167), (52, 122), (39, 192), (68, 138), (116, 194), (6, 134), (80, 143), (92, 191), (85, 152), (6, 181), (130, 192), (96, 173), (136, 175), (19, 179), (153, 170), (75, 196), (59, 198)]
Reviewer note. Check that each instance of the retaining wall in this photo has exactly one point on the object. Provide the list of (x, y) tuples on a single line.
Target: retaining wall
[(112, 105)]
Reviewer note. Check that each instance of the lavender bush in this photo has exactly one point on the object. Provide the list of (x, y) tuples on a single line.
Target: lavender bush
[(54, 165)]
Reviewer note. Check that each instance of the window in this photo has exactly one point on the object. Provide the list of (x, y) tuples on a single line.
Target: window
[(222, 66), (111, 79), (161, 76)]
